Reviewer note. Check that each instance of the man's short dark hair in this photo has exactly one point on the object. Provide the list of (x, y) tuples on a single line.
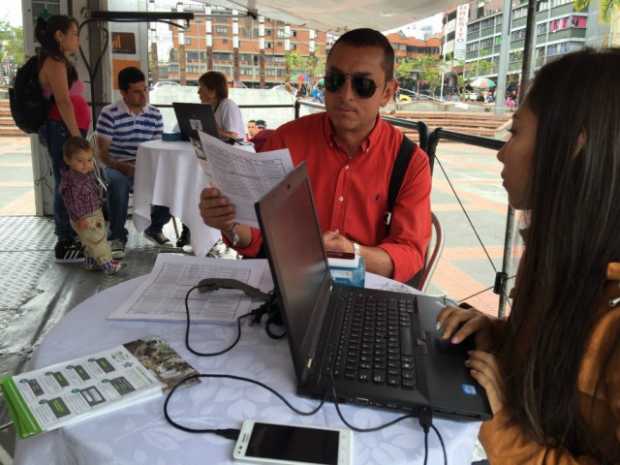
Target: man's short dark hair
[(214, 80), (260, 123), (73, 145), (128, 76), (252, 121), (366, 37)]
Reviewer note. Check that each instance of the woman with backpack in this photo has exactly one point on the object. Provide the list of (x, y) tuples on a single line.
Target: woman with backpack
[(69, 114)]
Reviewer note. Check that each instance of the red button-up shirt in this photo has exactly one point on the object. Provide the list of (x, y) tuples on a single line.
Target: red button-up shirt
[(351, 193)]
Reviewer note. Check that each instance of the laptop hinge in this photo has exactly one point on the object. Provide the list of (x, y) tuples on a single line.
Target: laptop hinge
[(311, 345)]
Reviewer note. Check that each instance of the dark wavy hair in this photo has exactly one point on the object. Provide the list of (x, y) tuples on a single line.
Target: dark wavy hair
[(215, 80), (45, 30), (50, 48), (573, 234)]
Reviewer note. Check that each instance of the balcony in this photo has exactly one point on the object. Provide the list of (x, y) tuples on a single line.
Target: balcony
[(519, 22), (570, 33), (517, 44)]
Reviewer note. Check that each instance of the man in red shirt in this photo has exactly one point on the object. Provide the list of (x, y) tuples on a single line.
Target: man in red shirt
[(350, 151)]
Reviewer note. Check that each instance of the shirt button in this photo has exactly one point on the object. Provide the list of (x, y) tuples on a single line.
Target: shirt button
[(346, 167), (341, 199)]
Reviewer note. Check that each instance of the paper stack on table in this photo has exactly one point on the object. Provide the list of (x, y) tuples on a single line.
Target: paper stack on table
[(162, 295)]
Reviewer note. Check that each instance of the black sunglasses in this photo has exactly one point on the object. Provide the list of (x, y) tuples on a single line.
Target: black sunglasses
[(363, 86)]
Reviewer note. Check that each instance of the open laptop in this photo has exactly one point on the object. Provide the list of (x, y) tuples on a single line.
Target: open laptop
[(380, 348), (194, 117)]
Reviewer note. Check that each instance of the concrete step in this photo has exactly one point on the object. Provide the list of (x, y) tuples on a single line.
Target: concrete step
[(11, 132)]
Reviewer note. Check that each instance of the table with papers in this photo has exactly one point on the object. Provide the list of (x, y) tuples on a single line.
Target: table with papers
[(139, 434), (168, 174)]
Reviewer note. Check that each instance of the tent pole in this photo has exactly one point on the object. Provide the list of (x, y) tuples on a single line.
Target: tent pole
[(510, 220)]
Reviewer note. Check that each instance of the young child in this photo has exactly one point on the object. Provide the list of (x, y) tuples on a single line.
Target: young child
[(82, 198)]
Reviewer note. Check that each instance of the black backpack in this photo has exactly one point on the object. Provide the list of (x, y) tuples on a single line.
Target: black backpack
[(28, 106)]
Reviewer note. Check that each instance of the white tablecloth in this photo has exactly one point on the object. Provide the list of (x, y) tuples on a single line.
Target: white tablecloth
[(140, 434), (168, 174)]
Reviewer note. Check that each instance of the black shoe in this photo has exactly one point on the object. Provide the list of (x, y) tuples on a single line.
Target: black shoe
[(157, 237), (69, 252), (185, 237)]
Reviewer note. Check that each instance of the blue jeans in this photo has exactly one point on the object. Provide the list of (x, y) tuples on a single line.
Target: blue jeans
[(54, 134), (119, 187)]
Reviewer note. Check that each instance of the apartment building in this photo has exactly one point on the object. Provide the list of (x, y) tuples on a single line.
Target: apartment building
[(234, 44), (559, 30), (410, 47)]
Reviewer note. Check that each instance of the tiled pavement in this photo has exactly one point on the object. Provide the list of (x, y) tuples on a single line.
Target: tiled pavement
[(463, 268)]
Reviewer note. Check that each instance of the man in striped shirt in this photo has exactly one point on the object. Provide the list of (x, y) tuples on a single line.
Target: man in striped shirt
[(121, 127)]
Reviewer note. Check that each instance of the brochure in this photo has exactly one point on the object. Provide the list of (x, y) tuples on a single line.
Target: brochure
[(67, 393)]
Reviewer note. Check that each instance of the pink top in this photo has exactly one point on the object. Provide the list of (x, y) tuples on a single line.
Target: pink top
[(80, 107)]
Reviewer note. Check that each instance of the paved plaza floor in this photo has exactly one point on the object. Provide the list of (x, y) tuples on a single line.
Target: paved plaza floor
[(464, 268)]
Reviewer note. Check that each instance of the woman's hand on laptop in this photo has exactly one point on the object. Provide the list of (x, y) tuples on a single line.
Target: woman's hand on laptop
[(457, 324), (216, 210)]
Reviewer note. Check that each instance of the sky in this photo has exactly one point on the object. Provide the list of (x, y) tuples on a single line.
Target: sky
[(11, 11)]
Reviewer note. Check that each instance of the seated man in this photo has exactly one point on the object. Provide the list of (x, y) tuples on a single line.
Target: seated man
[(350, 152), (261, 134), (121, 127)]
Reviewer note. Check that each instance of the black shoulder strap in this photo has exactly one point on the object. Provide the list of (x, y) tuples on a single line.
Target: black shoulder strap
[(405, 152)]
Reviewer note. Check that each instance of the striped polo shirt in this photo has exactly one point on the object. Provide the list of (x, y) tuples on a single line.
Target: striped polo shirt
[(127, 130)]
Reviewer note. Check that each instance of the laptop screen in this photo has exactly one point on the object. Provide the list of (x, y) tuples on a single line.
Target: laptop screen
[(293, 239), (193, 117)]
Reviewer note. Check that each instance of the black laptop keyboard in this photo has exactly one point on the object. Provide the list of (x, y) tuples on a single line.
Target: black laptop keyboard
[(376, 344)]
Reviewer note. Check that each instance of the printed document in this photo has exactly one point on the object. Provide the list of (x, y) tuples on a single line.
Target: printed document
[(242, 176), (162, 295)]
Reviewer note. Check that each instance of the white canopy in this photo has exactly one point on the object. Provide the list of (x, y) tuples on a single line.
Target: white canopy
[(341, 15)]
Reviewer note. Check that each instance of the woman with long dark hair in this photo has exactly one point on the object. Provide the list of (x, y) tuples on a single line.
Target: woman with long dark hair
[(551, 371), (69, 113)]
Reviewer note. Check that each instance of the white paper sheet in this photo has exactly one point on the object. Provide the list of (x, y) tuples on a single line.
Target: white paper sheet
[(162, 296), (241, 176)]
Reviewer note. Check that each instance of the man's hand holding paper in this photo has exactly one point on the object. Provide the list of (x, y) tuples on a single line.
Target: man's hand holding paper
[(239, 179)]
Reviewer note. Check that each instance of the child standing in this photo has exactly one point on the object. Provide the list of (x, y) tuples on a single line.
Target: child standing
[(82, 198)]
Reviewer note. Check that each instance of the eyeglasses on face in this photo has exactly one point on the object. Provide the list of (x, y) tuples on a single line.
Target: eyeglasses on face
[(362, 85)]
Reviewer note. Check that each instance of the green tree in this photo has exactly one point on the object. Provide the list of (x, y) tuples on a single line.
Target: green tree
[(11, 43), (607, 7), (485, 67)]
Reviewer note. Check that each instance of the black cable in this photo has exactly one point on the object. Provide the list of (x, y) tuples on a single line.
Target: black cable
[(482, 291), (188, 324), (355, 428), (466, 214), (227, 432), (443, 447)]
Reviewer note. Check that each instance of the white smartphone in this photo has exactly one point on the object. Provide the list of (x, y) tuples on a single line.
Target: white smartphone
[(271, 443)]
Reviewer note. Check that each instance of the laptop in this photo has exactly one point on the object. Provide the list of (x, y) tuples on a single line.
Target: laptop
[(194, 117), (379, 348)]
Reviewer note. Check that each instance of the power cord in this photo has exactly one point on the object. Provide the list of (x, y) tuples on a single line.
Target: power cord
[(268, 308), (188, 324), (425, 418), (228, 433)]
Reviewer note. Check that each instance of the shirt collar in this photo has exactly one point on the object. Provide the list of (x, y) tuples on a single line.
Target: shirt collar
[(123, 106), (367, 143)]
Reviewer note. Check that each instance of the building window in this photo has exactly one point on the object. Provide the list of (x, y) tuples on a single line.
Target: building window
[(541, 29), (518, 35), (519, 13), (580, 22), (221, 30)]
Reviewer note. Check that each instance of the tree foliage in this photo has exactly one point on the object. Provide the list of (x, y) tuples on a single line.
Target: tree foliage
[(312, 66), (423, 68), (605, 7), (11, 43)]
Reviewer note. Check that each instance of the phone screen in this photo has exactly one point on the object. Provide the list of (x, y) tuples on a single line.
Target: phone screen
[(294, 443)]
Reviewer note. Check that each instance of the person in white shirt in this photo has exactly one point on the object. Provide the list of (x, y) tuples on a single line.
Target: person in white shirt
[(213, 90)]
